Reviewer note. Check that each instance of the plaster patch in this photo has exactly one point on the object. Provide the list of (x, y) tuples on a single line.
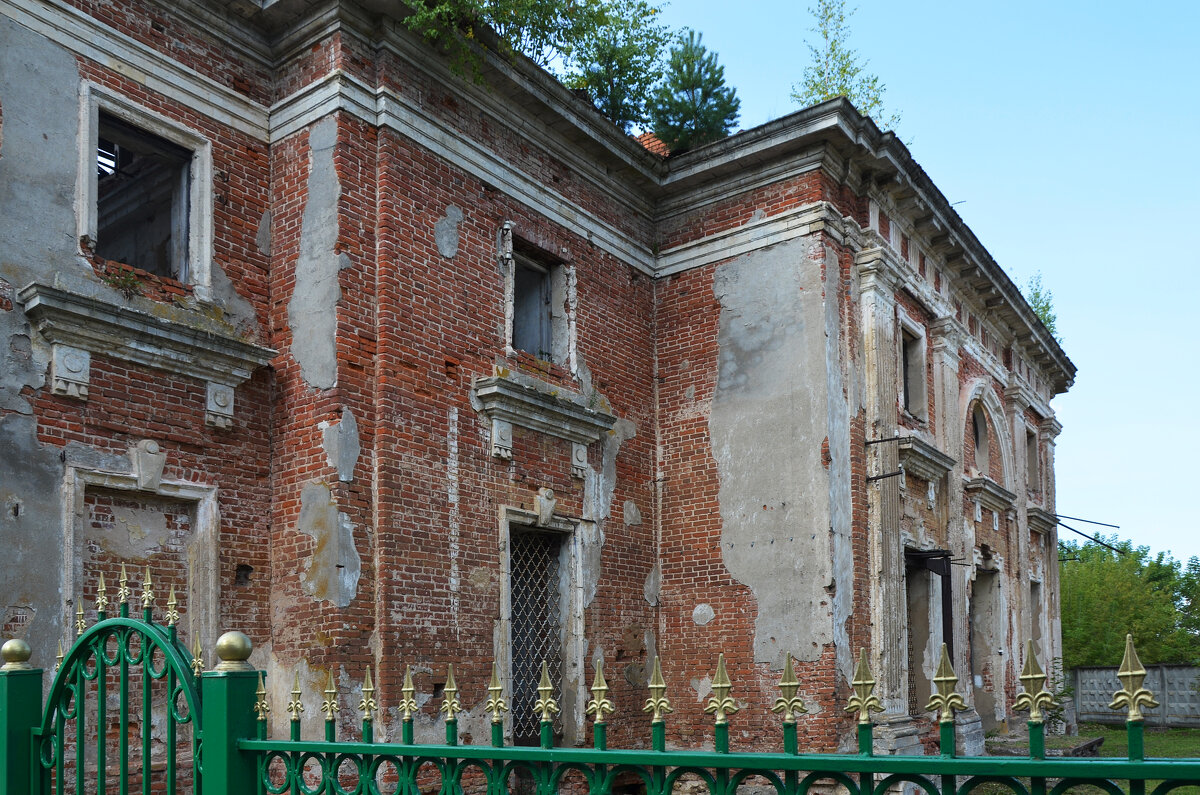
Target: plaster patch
[(332, 572), (633, 516), (653, 584), (312, 310), (702, 686), (703, 613), (262, 238), (445, 232), (30, 480), (340, 440), (238, 312), (40, 97), (768, 422)]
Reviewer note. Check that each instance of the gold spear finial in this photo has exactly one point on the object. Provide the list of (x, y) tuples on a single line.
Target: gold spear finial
[(545, 706), (367, 705), (172, 612), (197, 657), (123, 589), (101, 595), (450, 703), (864, 699), (721, 705), (58, 659), (600, 703), (1132, 675), (330, 705), (261, 708), (657, 705), (946, 700), (1035, 697), (294, 707), (408, 703), (789, 703), (147, 591), (80, 623), (496, 703)]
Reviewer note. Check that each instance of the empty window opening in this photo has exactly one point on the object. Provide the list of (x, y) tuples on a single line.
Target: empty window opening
[(1035, 616), (912, 373), (141, 199), (986, 623), (979, 435), (930, 619), (536, 608), (533, 316), (1032, 474)]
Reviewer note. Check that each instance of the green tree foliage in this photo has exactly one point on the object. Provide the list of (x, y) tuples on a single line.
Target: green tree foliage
[(611, 48), (836, 71), (693, 106), (1106, 595), (1041, 301), (619, 62)]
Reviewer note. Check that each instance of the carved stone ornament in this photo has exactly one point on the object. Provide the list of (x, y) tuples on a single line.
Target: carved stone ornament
[(71, 371), (148, 460), (546, 503), (578, 459), (218, 410)]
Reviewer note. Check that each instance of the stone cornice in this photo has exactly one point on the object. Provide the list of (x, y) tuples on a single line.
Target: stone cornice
[(164, 337), (1041, 521), (991, 495), (549, 413), (923, 460)]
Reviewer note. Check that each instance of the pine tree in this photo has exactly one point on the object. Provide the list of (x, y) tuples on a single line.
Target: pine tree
[(835, 70), (693, 106)]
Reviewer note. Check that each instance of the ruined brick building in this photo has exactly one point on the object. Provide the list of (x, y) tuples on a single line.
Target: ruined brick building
[(383, 366)]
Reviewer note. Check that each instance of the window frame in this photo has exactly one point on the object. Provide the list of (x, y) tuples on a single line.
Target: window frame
[(912, 334), (196, 270)]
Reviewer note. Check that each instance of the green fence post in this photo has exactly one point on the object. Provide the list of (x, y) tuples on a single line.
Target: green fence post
[(20, 713), (229, 697)]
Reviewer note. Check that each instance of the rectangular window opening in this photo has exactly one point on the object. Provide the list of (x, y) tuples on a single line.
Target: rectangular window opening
[(912, 375), (536, 628), (533, 316), (1032, 475), (142, 188)]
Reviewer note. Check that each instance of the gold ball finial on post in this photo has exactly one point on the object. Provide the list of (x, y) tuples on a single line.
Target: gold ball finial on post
[(233, 651), (16, 654)]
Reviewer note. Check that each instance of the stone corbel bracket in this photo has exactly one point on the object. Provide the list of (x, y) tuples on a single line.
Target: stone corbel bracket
[(921, 459), (507, 403), (990, 494), (1041, 521), (177, 340)]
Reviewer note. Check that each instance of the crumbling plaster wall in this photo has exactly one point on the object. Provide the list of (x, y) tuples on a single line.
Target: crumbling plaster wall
[(40, 96), (785, 515)]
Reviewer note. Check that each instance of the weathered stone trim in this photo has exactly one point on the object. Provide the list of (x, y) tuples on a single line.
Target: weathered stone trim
[(923, 460), (1041, 521), (175, 340), (507, 403), (990, 494)]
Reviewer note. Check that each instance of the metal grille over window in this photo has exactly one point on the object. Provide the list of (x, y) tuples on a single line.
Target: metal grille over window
[(536, 625)]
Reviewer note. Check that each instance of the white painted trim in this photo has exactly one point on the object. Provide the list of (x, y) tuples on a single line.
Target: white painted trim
[(761, 233), (85, 37), (92, 99), (202, 592)]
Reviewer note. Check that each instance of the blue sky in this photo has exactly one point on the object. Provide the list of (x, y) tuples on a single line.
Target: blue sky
[(1070, 133)]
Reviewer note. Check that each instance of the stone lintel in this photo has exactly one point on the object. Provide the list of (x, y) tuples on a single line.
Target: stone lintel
[(921, 459), (990, 494), (559, 414), (1041, 521), (177, 340)]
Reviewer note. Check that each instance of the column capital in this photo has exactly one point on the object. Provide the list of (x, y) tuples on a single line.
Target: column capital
[(1051, 428), (878, 271)]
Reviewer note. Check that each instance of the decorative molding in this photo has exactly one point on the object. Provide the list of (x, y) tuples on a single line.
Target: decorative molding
[(990, 494), (507, 403), (920, 458), (173, 339), (1041, 521), (70, 372)]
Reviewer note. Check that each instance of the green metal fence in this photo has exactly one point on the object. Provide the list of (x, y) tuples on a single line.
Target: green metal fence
[(219, 718)]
